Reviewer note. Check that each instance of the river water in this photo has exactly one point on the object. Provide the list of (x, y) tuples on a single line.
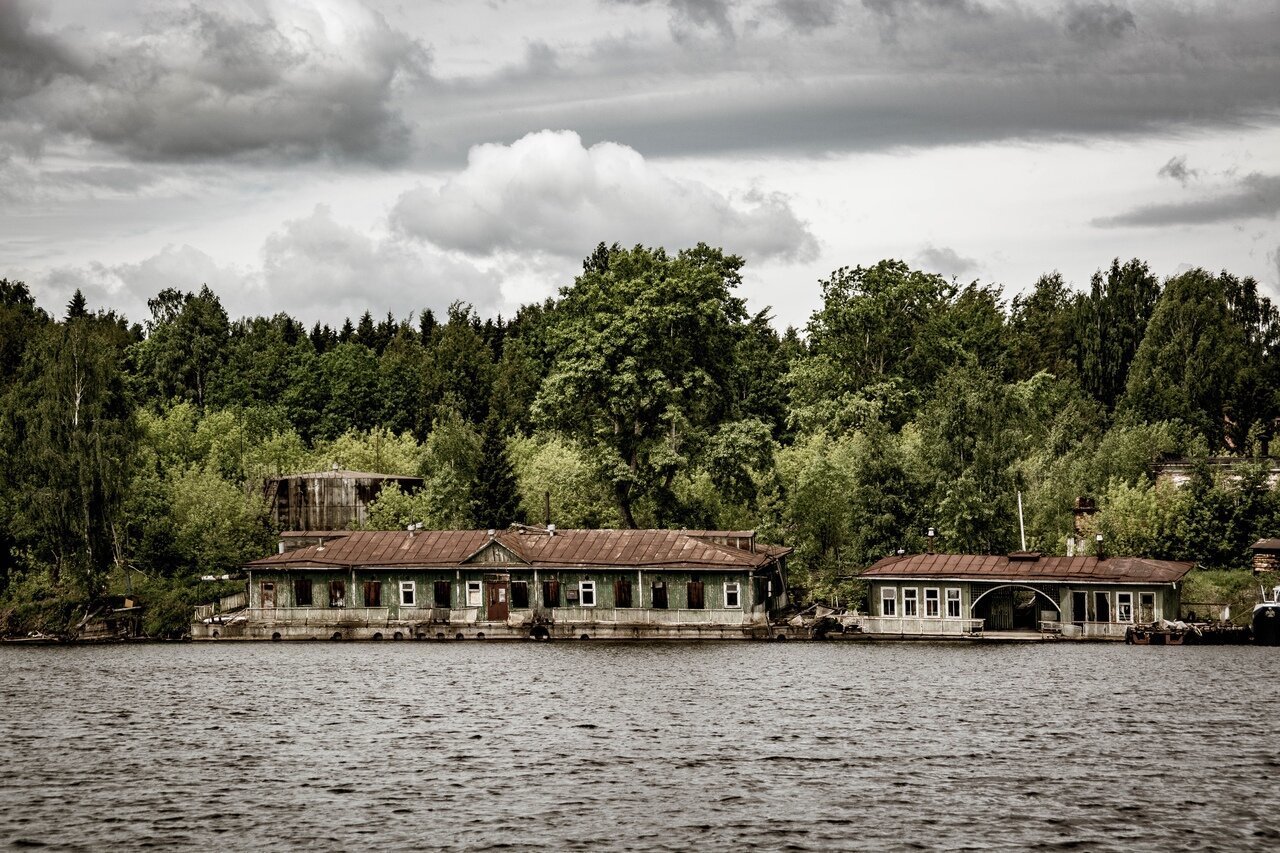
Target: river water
[(594, 746)]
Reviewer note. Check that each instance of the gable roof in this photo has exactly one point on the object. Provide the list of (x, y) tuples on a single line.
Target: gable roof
[(1026, 567), (672, 549)]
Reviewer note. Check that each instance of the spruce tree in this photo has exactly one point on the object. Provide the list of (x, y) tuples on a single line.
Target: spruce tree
[(495, 503), (77, 307)]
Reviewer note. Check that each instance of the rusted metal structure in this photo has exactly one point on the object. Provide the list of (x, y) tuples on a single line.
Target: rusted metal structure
[(524, 582), (1026, 593), (329, 500)]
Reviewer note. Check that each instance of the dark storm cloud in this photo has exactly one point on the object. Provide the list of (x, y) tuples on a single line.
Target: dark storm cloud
[(1254, 196), (690, 16), (1099, 22), (954, 72), (808, 15), (1177, 169), (207, 84)]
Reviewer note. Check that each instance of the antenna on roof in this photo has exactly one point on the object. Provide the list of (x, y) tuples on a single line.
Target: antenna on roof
[(1022, 530)]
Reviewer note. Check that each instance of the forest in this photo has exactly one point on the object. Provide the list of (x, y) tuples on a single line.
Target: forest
[(645, 395)]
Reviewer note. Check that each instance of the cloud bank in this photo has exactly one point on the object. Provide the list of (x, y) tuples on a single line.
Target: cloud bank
[(1254, 196)]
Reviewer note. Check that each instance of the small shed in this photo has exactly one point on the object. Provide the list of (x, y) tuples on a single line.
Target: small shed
[(337, 499), (1266, 556)]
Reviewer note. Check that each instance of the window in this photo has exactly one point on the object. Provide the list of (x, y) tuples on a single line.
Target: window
[(622, 593), (519, 594), (659, 596), (732, 595), (953, 603), (408, 592), (889, 601), (910, 602), (1124, 607), (302, 592), (473, 594), (1146, 607), (587, 591), (442, 594), (931, 603), (1101, 607), (373, 593), (268, 591), (551, 593), (337, 593), (696, 599)]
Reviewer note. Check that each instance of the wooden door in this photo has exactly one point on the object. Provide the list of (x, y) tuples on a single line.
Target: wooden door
[(498, 601), (696, 599), (268, 595)]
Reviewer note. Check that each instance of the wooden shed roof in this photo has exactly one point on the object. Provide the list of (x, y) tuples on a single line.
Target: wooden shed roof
[(536, 548), (1028, 567)]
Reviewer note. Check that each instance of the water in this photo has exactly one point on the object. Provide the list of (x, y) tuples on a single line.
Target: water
[(593, 746)]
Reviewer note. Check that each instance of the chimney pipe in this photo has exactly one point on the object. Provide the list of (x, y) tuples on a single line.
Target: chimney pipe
[(546, 509), (929, 534)]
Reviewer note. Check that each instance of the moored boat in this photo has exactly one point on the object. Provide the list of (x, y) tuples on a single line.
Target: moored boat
[(1266, 618)]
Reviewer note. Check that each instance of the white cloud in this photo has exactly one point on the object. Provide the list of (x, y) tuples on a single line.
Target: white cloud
[(317, 263), (547, 192)]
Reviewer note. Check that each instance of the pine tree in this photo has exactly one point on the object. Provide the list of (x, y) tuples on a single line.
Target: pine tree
[(495, 502), (77, 307)]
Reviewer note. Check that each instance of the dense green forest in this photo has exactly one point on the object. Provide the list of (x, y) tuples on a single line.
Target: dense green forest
[(646, 395)]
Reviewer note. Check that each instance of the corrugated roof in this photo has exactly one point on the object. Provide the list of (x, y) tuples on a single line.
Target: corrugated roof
[(999, 567), (566, 549), (342, 474), (1267, 545)]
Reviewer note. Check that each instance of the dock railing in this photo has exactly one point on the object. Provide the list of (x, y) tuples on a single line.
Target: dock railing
[(919, 626), (1111, 630)]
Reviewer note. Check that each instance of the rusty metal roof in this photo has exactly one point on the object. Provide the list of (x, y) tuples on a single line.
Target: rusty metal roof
[(566, 549), (342, 474), (1267, 545), (999, 567)]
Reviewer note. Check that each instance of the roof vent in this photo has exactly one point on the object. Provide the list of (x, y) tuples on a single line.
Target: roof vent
[(551, 530)]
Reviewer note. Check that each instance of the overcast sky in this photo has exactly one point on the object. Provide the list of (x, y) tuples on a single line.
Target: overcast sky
[(328, 156)]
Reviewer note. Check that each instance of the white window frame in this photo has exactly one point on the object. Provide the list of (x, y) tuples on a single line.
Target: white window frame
[(889, 595), (410, 587), (1155, 604), (936, 601), (957, 600), (736, 589), (1124, 601), (585, 587), (476, 599), (911, 596)]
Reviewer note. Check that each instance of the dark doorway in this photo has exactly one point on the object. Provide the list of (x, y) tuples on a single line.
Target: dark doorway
[(622, 593), (498, 603), (1079, 600)]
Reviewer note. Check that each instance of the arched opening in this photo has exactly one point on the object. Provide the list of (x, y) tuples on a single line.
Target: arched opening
[(1012, 607), (397, 636), (539, 632), (377, 636), (275, 637)]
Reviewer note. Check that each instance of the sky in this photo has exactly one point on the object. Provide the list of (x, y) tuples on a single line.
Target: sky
[(324, 157)]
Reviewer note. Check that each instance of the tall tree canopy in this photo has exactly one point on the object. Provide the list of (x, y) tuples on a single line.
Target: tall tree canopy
[(645, 346)]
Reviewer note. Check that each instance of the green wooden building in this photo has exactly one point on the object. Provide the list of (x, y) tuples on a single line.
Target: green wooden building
[(525, 582), (963, 595)]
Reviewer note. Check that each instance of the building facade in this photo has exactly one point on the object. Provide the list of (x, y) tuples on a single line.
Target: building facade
[(960, 595), (519, 583), (329, 500)]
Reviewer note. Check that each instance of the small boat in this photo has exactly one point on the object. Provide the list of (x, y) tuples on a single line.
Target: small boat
[(1266, 618)]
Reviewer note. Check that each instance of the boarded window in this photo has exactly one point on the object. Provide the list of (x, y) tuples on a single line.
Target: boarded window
[(696, 600), (302, 592), (660, 596), (622, 593), (551, 593), (474, 594), (373, 593), (337, 593), (442, 594), (519, 594)]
